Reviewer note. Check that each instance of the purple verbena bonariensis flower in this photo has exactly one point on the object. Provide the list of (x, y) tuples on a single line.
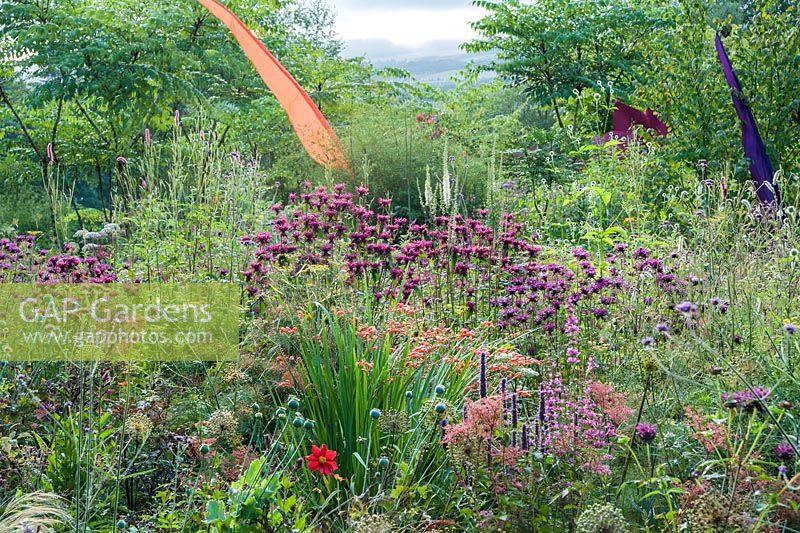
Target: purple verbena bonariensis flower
[(686, 308), (747, 400)]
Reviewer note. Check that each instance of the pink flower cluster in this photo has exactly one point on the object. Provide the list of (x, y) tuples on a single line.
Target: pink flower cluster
[(21, 262), (485, 267)]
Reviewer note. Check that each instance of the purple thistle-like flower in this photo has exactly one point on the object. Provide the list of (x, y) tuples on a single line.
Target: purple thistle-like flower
[(646, 432), (791, 329), (482, 377), (783, 451), (761, 169)]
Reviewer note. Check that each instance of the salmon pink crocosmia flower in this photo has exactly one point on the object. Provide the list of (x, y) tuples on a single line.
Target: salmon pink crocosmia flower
[(322, 460)]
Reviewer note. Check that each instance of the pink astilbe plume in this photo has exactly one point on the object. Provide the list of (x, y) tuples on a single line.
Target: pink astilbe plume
[(473, 439), (711, 435), (613, 404)]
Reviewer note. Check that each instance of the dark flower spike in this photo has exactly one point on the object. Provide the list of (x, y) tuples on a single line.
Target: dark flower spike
[(482, 376), (761, 170)]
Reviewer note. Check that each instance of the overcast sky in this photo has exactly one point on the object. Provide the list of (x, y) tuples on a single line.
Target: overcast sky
[(383, 28)]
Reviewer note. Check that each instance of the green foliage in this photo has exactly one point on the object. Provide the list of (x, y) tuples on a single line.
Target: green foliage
[(330, 357), (553, 48), (256, 501), (686, 85), (90, 78), (383, 400)]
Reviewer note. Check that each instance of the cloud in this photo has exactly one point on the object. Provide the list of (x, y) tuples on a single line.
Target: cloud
[(408, 26)]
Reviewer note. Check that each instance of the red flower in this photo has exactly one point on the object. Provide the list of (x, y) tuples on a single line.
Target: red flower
[(322, 460)]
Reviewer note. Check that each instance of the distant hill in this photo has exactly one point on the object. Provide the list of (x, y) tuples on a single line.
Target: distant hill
[(438, 71), (434, 62)]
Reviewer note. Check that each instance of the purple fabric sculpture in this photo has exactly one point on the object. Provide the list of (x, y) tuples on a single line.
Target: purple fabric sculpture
[(760, 166), (626, 118)]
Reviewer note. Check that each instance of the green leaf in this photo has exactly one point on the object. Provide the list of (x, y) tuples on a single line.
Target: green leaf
[(215, 512)]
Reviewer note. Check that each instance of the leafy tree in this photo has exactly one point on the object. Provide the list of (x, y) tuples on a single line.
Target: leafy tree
[(688, 86), (89, 77), (553, 48)]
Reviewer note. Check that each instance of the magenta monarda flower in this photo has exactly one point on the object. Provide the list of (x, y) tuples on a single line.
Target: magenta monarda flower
[(646, 433)]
